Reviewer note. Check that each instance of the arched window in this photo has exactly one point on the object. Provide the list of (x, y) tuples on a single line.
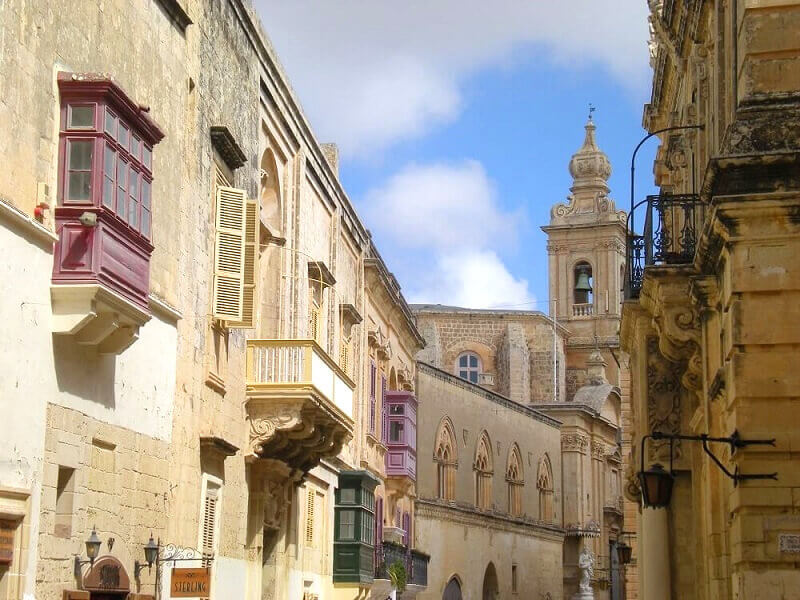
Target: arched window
[(446, 461), (483, 472), (468, 366), (583, 283), (544, 483), (515, 481)]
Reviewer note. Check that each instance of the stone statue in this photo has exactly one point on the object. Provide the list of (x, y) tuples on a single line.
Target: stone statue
[(586, 566)]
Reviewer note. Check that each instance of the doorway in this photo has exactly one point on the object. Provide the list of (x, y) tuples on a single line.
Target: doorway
[(452, 591), (491, 588)]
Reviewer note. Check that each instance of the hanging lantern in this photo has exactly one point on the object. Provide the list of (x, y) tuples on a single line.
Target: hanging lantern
[(656, 486), (624, 552)]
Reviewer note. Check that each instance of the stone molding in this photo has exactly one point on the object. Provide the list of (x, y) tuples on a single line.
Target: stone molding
[(441, 510)]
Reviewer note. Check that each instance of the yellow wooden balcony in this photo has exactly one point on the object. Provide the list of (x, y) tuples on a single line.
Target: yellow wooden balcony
[(299, 402)]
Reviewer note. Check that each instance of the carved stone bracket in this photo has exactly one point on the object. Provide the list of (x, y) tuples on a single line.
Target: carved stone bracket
[(667, 297), (299, 430)]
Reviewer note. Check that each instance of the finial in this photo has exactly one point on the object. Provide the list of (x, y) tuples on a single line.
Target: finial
[(592, 108)]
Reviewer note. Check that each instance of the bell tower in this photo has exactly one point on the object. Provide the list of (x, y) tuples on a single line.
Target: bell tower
[(586, 250)]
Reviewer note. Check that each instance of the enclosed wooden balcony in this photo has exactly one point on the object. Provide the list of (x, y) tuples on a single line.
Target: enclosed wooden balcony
[(299, 402)]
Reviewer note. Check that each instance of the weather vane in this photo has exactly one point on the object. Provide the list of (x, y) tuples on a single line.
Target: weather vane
[(592, 108)]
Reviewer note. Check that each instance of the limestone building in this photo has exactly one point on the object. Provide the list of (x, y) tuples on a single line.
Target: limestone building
[(200, 340), (710, 318)]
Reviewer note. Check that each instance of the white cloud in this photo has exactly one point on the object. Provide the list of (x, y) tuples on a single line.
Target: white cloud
[(474, 279), (442, 219), (441, 206), (371, 73)]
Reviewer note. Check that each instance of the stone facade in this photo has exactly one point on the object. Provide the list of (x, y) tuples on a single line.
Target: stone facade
[(510, 549), (708, 322)]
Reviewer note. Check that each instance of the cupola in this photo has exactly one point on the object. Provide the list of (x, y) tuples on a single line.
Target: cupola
[(589, 166)]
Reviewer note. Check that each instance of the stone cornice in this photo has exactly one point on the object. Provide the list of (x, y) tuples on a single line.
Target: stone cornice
[(441, 510)]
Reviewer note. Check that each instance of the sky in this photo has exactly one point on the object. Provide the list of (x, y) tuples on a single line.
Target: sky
[(456, 120)]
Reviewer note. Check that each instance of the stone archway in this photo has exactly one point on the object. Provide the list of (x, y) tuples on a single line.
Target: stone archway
[(491, 587), (107, 580), (453, 590)]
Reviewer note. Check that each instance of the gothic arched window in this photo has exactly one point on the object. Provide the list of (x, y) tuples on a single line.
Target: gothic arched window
[(515, 480), (468, 366), (544, 483), (446, 460), (483, 472)]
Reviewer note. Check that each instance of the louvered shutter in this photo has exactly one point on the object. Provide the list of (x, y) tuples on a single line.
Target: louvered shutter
[(344, 356), (209, 523), (310, 518), (313, 322), (251, 253), (229, 254)]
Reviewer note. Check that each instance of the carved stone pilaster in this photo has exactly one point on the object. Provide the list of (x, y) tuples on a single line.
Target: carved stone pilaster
[(574, 442)]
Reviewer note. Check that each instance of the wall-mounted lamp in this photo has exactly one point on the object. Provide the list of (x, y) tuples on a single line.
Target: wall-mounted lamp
[(92, 550), (151, 549), (88, 219), (656, 483)]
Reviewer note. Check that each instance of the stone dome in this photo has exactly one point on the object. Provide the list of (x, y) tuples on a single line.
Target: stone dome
[(590, 165)]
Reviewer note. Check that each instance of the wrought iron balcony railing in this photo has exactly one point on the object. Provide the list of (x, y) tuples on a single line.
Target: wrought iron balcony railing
[(414, 562), (672, 225)]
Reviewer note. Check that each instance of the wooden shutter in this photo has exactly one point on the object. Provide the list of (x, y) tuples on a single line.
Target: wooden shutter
[(229, 254), (209, 521), (310, 517), (344, 355), (313, 321), (251, 254)]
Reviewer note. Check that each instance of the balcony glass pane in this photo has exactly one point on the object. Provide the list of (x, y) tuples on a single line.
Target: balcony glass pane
[(80, 155), (111, 123), (81, 117), (108, 177), (396, 432), (347, 525), (122, 187), (397, 409), (133, 195)]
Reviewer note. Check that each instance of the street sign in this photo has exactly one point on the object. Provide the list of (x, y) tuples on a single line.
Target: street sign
[(190, 583)]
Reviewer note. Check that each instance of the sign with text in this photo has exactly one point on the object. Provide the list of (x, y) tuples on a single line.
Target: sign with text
[(7, 531), (190, 583)]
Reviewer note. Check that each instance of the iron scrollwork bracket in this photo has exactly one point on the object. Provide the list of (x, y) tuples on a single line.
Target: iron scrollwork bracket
[(735, 442)]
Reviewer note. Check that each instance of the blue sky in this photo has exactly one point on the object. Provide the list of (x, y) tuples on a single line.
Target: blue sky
[(456, 124)]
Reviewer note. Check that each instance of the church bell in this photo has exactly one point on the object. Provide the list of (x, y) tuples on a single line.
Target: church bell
[(582, 284)]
